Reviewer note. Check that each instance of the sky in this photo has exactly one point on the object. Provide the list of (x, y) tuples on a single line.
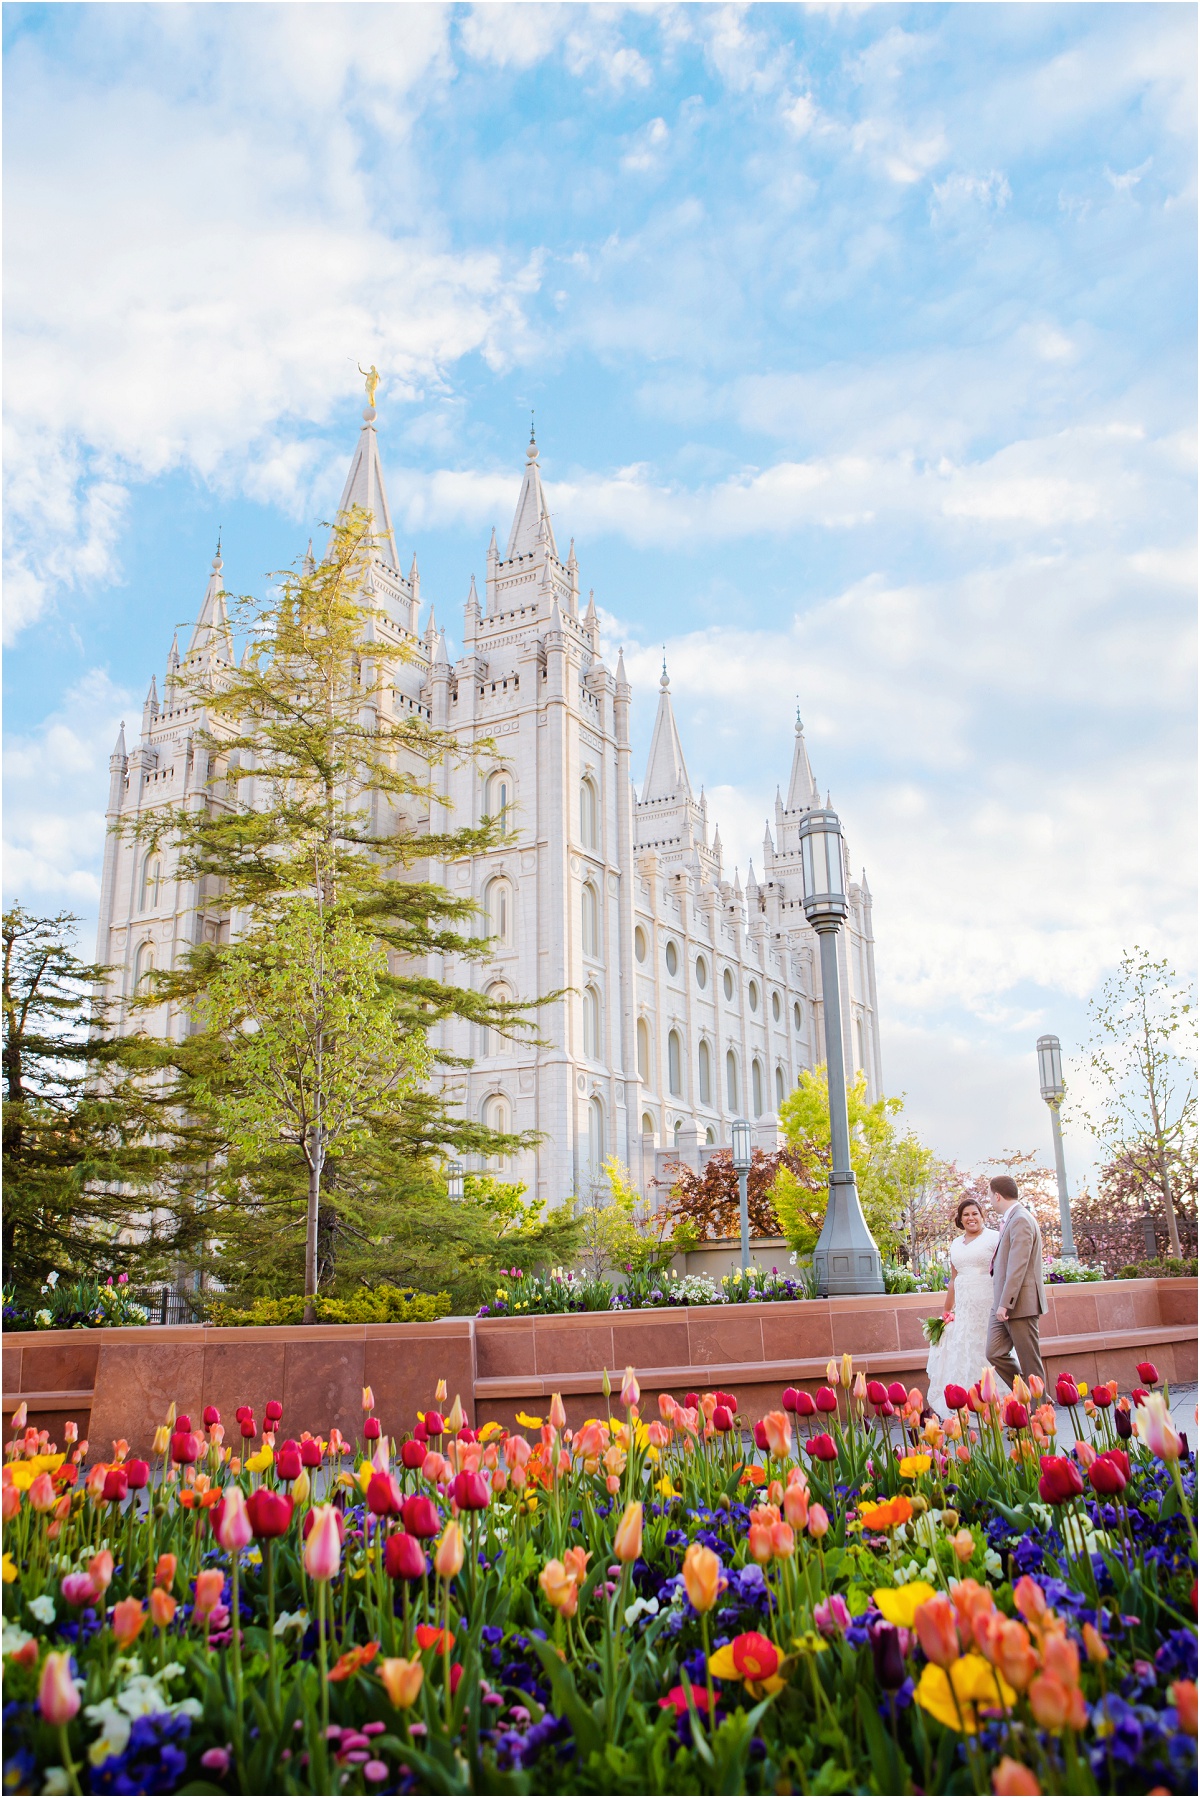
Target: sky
[(861, 344)]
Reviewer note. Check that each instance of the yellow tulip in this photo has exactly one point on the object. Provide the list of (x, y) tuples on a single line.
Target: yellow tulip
[(8, 1569), (899, 1603), (401, 1681), (977, 1686)]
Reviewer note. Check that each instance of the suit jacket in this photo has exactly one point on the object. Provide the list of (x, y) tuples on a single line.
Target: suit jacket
[(1017, 1267)]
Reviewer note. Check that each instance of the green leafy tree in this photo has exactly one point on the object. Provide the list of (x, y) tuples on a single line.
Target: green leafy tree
[(880, 1167), (82, 1146), (1142, 1059)]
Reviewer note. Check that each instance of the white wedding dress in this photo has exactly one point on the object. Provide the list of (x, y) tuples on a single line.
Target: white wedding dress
[(961, 1356)]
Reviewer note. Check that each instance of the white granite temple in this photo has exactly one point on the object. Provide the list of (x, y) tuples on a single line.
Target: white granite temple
[(693, 1000)]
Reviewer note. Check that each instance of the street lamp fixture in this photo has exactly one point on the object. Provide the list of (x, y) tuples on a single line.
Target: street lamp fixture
[(846, 1259), (743, 1155), (454, 1179), (1050, 1074)]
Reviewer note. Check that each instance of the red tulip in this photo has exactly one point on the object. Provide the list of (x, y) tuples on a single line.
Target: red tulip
[(470, 1492), (1060, 1480), (877, 1393), (184, 1422), (310, 1452), (826, 1399), (1016, 1416), (822, 1448), (1106, 1476), (274, 1411), (185, 1448), (760, 1435), (248, 1426), (383, 1496), (1102, 1398), (956, 1398), (116, 1485), (420, 1433), (435, 1423), (1139, 1395), (692, 1400), (413, 1453), (403, 1557), (306, 1526), (1066, 1392), (466, 1434), (804, 1405), (421, 1516), (1120, 1459), (898, 1393), (242, 1411), (1147, 1371), (371, 1429), (790, 1395), (729, 1401), (270, 1513), (211, 1416), (138, 1474), (722, 1419), (287, 1461)]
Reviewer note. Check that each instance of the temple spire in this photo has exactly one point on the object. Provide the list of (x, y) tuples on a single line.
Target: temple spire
[(212, 635), (531, 526), (364, 487), (802, 788), (666, 770)]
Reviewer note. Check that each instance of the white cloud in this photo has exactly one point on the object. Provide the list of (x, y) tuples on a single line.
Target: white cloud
[(961, 193)]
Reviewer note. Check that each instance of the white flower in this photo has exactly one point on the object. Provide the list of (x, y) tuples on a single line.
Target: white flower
[(14, 1638), (43, 1320), (52, 1280), (42, 1608), (633, 1611), (56, 1781), (297, 1620), (115, 1729), (993, 1564), (903, 1576)]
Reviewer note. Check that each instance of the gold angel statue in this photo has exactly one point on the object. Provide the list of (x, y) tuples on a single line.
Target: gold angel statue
[(371, 375)]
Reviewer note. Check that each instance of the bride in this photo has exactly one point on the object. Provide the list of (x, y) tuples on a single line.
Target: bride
[(960, 1357)]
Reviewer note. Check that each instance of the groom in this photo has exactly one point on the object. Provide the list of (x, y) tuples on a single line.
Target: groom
[(1018, 1295)]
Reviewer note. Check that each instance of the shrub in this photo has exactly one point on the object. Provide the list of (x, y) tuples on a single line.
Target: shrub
[(1169, 1267), (75, 1305), (378, 1305)]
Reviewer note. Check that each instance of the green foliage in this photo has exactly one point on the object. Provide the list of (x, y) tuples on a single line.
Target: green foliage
[(619, 1230), (1168, 1268), (87, 1304), (380, 1305), (885, 1165)]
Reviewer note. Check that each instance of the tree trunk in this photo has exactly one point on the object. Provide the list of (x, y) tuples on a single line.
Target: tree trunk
[(316, 1161), (1161, 1152)]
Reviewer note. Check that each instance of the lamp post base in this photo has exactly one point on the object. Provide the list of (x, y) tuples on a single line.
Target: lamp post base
[(846, 1261)]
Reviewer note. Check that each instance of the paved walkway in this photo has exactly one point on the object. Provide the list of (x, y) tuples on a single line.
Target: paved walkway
[(1183, 1411)]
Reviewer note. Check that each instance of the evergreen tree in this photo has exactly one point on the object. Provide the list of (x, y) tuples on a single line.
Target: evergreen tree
[(319, 790), (83, 1151)]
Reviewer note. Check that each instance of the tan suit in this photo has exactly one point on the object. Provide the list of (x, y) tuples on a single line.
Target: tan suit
[(1017, 1288)]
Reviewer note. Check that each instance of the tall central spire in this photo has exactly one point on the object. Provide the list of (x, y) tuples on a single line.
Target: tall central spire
[(666, 771), (532, 519), (364, 485)]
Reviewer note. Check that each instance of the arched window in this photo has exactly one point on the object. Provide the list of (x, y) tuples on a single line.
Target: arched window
[(798, 1015), (591, 920), (647, 1124), (643, 1049), (701, 972), (780, 1087), (704, 1069), (497, 1116), (678, 1128), (731, 1080), (672, 960), (596, 1138), (639, 943), (728, 983), (151, 882), (591, 1023), (494, 1043), (776, 1007), (675, 1063), (500, 797), (143, 967), (710, 1137), (862, 1047), (756, 1086), (498, 910), (754, 995), (589, 815)]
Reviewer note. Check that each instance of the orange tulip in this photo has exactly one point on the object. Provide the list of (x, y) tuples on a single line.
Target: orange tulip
[(1094, 1643), (42, 1495), (1061, 1658), (795, 1505), (162, 1608), (631, 1392), (818, 1521), (1029, 1599), (783, 1540), (628, 1544), (702, 1577), (401, 1681), (1055, 1706), (558, 1412), (761, 1546), (937, 1629), (1183, 1697), (128, 1620), (100, 1568), (209, 1586), (1012, 1780), (777, 1429), (560, 1587), (450, 1551), (164, 1573), (1017, 1659)]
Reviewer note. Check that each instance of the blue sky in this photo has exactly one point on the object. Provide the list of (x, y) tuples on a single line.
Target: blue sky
[(862, 348)]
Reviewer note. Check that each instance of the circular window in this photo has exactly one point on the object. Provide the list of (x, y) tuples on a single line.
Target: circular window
[(798, 1015), (701, 972), (754, 995), (672, 959), (639, 943), (728, 984), (776, 1007)]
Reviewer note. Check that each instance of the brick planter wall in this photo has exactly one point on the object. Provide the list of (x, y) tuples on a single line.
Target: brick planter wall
[(120, 1382)]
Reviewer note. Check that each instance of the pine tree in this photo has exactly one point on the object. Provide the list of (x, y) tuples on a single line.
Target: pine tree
[(316, 790), (83, 1149)]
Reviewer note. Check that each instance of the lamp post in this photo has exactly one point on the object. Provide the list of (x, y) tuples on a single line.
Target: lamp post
[(845, 1259), (1049, 1054), (454, 1179), (743, 1152)]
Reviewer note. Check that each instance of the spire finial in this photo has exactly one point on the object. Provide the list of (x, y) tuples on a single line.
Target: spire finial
[(531, 454), (665, 682), (217, 562)]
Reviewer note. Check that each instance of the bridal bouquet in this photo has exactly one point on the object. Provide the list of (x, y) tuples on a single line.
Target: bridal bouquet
[(934, 1328)]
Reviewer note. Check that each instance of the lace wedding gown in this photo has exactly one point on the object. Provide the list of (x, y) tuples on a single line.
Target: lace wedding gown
[(960, 1357)]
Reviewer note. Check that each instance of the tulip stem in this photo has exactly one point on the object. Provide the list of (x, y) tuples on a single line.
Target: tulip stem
[(68, 1763), (272, 1675), (712, 1708), (236, 1651)]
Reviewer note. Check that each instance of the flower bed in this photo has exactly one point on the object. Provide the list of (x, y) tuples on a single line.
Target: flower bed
[(853, 1597), (560, 1292)]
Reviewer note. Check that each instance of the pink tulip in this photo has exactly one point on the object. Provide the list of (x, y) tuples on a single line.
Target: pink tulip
[(323, 1549), (58, 1695), (234, 1530), (78, 1590), (1154, 1426), (42, 1495), (631, 1392)]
